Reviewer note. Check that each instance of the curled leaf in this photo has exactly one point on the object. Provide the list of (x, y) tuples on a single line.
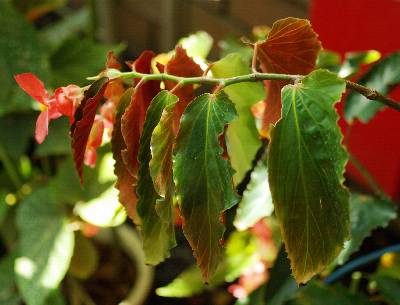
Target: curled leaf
[(84, 119)]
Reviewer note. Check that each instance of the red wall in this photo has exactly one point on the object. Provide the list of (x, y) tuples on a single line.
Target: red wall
[(355, 25)]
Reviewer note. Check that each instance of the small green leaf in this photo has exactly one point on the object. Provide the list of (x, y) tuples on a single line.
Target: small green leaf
[(382, 77), (45, 247), (256, 202), (316, 293), (306, 163), (158, 236), (242, 136), (203, 178), (367, 214)]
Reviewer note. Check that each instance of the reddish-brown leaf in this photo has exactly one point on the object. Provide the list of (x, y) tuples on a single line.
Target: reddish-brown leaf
[(291, 48), (133, 119), (84, 119), (182, 65), (125, 180)]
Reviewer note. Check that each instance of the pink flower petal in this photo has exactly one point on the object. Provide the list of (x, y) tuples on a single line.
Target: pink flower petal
[(42, 126), (32, 86)]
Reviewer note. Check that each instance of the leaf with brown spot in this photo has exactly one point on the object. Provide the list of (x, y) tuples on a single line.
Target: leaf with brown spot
[(291, 47), (84, 119), (133, 119)]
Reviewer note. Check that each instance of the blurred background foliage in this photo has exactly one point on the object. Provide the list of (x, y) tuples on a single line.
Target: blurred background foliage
[(64, 244)]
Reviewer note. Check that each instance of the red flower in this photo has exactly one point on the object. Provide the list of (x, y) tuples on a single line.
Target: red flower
[(68, 99), (35, 88)]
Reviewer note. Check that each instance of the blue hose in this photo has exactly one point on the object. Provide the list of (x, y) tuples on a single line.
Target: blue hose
[(362, 260)]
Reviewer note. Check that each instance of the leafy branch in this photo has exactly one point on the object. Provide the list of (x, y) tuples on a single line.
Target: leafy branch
[(369, 93)]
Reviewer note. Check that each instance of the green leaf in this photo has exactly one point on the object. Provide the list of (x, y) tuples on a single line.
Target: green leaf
[(382, 77), (55, 298), (203, 178), (8, 291), (389, 288), (55, 34), (160, 166), (77, 57), (20, 51), (242, 136), (45, 247), (197, 45), (57, 142), (22, 125), (4, 207), (281, 286), (102, 211), (367, 214), (316, 293), (158, 236), (306, 163), (256, 202), (234, 45)]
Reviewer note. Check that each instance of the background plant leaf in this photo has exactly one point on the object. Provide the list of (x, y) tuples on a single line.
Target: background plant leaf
[(316, 293), (366, 214), (203, 178), (256, 201), (242, 136), (382, 77), (45, 246), (306, 163), (20, 50)]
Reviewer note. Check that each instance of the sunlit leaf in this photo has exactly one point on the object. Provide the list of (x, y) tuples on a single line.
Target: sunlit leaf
[(203, 178), (382, 77), (242, 136), (102, 211), (290, 48), (256, 201), (45, 246), (306, 164), (84, 119), (157, 233), (197, 45), (366, 214)]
